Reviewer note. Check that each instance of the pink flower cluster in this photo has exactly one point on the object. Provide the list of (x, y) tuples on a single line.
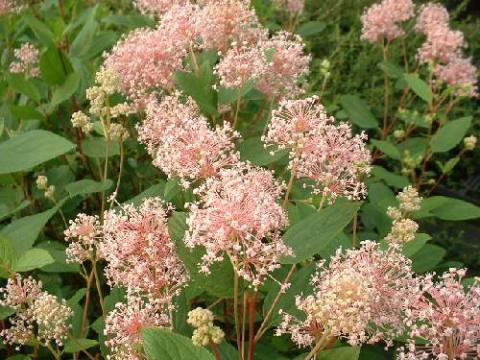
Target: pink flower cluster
[(157, 7), (359, 296), (123, 327), (38, 315), (27, 58), (443, 47), (238, 214), (7, 6), (445, 316), (83, 235), (329, 154), (383, 20), (139, 252), (182, 143), (294, 7)]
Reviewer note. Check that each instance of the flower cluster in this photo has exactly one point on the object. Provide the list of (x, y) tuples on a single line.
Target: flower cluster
[(39, 315), (205, 332), (123, 327), (83, 236), (182, 143), (27, 58), (238, 214), (382, 21), (470, 142), (403, 228), (157, 7), (7, 6), (446, 318), (294, 7), (139, 252), (329, 154), (443, 48), (48, 190), (359, 296)]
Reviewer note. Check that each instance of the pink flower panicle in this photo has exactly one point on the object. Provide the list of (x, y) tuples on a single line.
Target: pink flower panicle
[(83, 235), (288, 65), (358, 296), (139, 252), (329, 154), (431, 15), (442, 45), (182, 143), (461, 74), (222, 22), (39, 315), (238, 214), (447, 317), (8, 6), (294, 7), (382, 20), (157, 7), (27, 57), (124, 324)]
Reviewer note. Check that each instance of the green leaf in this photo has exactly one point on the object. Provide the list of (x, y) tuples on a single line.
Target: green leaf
[(24, 86), (392, 70), (311, 28), (358, 111), (7, 257), (413, 247), (162, 344), (450, 135), (253, 150), (41, 30), (390, 178), (57, 250), (341, 353), (84, 39), (152, 191), (300, 285), (94, 147), (446, 208), (387, 148), (199, 87), (76, 345), (26, 112), (30, 149), (5, 312), (33, 259), (219, 282), (419, 87), (313, 234), (52, 67), (23, 232), (87, 186), (66, 90), (427, 258)]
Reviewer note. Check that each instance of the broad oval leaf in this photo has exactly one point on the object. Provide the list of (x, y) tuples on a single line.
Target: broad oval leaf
[(66, 90), (313, 234), (33, 259), (419, 87), (450, 135), (7, 257), (88, 186), (253, 150), (75, 345), (446, 208), (162, 344), (358, 111), (311, 28), (30, 149)]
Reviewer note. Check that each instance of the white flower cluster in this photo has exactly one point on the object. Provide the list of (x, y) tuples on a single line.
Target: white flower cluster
[(205, 332)]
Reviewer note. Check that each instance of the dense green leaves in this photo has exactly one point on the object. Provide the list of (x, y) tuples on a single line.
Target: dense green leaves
[(450, 135), (164, 345), (66, 90), (446, 208), (358, 111), (32, 148), (314, 233), (419, 87)]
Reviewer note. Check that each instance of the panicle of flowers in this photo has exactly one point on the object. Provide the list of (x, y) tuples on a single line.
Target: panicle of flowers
[(139, 252), (446, 317), (222, 22), (403, 228), (241, 65), (294, 7), (238, 214), (83, 236), (182, 143), (27, 57), (157, 7), (287, 66), (144, 60), (430, 16), (124, 324), (39, 315), (383, 20), (81, 121), (205, 331), (461, 74), (359, 296), (442, 45)]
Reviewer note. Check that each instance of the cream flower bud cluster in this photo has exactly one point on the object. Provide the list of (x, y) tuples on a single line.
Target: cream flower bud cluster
[(470, 142), (39, 315), (48, 190), (205, 331), (83, 235), (27, 58), (81, 121), (403, 228)]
